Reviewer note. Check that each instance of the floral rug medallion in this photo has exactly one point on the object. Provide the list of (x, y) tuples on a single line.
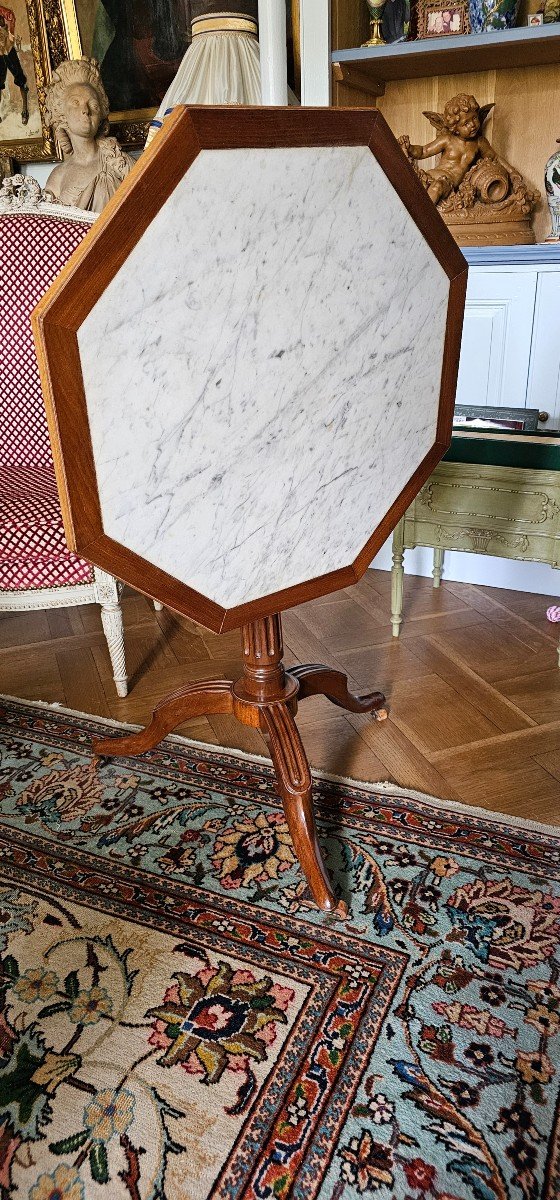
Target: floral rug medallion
[(177, 1021)]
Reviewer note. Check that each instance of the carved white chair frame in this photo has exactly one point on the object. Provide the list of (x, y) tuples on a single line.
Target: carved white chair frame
[(104, 590), (24, 195)]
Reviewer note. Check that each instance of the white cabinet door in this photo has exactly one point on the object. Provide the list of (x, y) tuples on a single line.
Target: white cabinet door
[(496, 346), (544, 371)]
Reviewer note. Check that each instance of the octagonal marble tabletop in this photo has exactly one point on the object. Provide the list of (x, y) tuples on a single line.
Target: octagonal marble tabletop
[(262, 374)]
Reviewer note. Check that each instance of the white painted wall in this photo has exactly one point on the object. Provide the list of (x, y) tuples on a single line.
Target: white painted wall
[(39, 170)]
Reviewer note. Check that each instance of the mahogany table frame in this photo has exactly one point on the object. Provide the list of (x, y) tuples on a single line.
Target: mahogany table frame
[(266, 695)]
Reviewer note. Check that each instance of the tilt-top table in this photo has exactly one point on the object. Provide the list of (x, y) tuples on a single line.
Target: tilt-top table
[(249, 367)]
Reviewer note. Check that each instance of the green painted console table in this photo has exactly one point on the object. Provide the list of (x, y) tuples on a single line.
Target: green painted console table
[(496, 493)]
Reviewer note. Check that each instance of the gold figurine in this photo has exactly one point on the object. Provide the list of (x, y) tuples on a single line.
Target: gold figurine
[(480, 196)]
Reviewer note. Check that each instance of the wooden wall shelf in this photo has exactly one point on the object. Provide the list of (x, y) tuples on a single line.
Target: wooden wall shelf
[(369, 68)]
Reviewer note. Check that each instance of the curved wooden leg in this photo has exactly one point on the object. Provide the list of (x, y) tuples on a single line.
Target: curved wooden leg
[(294, 785), (194, 700), (317, 680)]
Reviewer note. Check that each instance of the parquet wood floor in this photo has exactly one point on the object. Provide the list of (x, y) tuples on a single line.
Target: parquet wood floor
[(473, 684)]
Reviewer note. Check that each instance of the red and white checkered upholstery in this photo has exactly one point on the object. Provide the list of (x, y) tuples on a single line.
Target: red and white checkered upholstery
[(33, 551)]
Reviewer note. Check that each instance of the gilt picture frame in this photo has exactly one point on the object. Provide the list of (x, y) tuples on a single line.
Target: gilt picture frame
[(25, 70), (436, 18), (139, 49)]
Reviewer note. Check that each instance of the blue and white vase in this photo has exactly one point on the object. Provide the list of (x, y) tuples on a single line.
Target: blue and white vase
[(486, 16), (552, 187)]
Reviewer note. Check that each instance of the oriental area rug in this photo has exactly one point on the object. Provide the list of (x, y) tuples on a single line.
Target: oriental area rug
[(177, 1022)]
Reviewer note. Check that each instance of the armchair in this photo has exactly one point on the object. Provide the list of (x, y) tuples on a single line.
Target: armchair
[(37, 570)]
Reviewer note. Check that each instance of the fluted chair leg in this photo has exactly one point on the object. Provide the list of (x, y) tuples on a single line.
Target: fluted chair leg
[(108, 592), (112, 621)]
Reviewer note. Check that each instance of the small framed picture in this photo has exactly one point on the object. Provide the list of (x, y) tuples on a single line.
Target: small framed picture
[(535, 19), (476, 416), (437, 19)]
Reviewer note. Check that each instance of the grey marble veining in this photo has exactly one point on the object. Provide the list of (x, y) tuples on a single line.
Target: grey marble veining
[(262, 375)]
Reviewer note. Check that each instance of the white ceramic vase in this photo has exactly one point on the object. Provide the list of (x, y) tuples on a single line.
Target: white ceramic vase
[(552, 186)]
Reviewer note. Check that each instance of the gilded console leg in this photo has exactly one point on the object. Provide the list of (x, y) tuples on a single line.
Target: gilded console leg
[(397, 579), (317, 680), (194, 700), (294, 783), (438, 565)]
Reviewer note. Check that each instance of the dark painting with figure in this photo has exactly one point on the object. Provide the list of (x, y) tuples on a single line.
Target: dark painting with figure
[(395, 22), (139, 45)]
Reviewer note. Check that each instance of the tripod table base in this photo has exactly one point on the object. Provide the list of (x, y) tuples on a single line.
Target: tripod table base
[(266, 698)]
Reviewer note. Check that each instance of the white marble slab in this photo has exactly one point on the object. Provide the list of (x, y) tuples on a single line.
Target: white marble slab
[(262, 375)]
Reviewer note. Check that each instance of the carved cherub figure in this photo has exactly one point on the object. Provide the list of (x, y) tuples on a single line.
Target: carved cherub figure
[(94, 164), (460, 142)]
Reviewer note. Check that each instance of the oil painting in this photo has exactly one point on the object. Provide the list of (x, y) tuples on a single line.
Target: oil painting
[(139, 45)]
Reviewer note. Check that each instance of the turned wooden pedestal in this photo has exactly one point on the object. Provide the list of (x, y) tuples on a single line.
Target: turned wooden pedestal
[(266, 698)]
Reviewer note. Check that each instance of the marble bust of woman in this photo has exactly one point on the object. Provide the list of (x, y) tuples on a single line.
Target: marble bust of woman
[(93, 164)]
